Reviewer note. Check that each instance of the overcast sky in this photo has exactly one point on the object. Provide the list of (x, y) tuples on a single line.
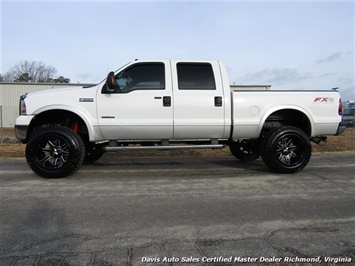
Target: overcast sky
[(286, 44)]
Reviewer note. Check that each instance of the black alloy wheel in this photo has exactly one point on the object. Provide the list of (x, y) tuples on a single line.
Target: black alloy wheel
[(286, 150), (55, 151)]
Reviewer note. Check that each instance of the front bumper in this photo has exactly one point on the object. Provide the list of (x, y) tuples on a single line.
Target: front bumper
[(21, 133), (21, 127)]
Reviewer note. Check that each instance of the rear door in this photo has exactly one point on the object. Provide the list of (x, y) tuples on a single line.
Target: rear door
[(199, 102)]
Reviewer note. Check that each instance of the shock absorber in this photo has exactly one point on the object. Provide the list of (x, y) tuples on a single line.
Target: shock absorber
[(76, 127)]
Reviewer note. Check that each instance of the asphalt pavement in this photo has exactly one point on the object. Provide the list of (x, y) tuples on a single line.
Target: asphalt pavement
[(179, 211)]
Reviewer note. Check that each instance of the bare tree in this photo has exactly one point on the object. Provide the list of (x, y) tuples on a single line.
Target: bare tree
[(30, 71)]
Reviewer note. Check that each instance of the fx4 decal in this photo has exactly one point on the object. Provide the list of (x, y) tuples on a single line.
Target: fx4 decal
[(323, 100)]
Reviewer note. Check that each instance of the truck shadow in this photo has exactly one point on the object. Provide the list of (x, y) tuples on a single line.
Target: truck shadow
[(138, 165)]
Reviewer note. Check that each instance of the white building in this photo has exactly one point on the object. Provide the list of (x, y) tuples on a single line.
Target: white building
[(10, 94)]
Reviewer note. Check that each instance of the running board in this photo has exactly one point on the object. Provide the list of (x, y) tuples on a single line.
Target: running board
[(123, 148)]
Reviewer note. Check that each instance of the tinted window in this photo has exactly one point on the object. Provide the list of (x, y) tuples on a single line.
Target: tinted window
[(192, 76), (141, 77)]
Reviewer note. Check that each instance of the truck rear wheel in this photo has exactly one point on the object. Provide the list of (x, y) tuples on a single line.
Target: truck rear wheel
[(55, 151), (286, 150)]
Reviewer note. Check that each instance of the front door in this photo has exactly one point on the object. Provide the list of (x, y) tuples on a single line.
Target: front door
[(140, 105)]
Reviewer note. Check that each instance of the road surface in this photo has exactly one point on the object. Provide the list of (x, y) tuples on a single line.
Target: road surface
[(178, 211)]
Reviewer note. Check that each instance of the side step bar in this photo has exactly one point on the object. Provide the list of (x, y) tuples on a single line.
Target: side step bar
[(121, 148)]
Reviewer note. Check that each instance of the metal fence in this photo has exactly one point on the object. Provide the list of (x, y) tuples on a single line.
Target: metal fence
[(1, 126), (11, 92), (7, 123), (9, 102)]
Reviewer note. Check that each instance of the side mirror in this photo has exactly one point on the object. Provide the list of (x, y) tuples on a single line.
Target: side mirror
[(110, 82)]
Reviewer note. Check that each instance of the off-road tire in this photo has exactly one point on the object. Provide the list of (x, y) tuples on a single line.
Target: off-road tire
[(55, 151), (286, 150)]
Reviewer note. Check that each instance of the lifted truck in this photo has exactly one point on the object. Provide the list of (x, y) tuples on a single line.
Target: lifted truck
[(171, 104)]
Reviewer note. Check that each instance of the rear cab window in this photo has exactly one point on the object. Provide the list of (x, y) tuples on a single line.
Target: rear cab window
[(195, 76)]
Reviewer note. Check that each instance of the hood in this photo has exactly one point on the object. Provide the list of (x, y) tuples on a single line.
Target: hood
[(48, 92), (69, 96)]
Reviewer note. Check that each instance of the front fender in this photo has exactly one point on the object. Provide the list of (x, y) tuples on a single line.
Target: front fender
[(89, 120), (21, 127)]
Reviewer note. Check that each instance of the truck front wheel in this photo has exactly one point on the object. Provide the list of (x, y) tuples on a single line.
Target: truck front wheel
[(246, 150), (55, 151), (286, 150)]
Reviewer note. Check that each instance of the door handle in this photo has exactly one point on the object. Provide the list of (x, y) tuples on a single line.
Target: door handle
[(166, 101), (218, 101)]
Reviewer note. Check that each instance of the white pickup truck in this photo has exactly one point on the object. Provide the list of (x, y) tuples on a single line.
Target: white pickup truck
[(170, 104)]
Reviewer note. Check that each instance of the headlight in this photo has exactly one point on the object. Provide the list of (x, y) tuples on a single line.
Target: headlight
[(23, 110)]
